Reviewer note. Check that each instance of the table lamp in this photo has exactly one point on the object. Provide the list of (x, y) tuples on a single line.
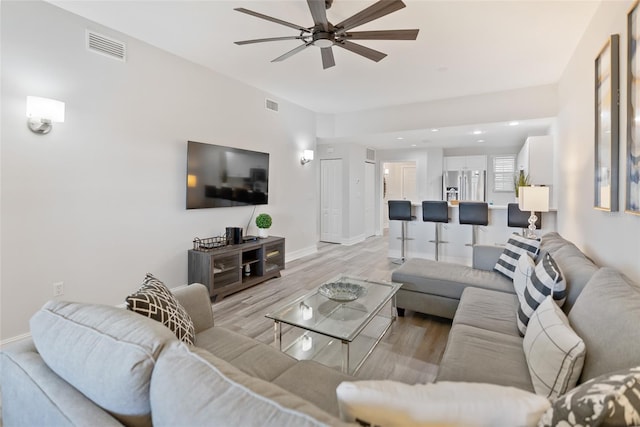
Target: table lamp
[(534, 199)]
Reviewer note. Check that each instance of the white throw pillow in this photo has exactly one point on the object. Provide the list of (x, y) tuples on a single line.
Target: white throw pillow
[(545, 280), (522, 273), (554, 352), (390, 403)]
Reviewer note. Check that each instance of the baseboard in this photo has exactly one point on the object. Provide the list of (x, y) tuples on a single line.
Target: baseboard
[(14, 339), (354, 240), (292, 256)]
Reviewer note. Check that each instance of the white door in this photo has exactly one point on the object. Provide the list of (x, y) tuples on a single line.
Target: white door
[(369, 199), (409, 183), (331, 200)]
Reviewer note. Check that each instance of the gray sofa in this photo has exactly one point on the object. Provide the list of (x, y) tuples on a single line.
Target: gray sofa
[(484, 344), (110, 366)]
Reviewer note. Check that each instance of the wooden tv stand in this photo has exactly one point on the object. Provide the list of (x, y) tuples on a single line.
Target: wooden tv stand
[(232, 268)]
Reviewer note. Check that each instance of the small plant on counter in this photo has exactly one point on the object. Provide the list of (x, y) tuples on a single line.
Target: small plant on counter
[(520, 180)]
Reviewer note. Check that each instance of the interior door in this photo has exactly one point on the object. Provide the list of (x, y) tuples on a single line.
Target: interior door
[(409, 183), (331, 200), (369, 199)]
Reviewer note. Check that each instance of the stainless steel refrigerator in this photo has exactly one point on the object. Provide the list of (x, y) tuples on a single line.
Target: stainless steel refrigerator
[(465, 185)]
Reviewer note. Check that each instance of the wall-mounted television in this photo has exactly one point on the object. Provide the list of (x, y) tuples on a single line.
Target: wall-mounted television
[(219, 176)]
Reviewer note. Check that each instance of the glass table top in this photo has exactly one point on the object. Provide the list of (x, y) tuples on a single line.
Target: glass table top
[(342, 320)]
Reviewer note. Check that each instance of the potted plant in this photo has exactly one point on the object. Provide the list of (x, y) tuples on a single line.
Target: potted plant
[(263, 222), (520, 180)]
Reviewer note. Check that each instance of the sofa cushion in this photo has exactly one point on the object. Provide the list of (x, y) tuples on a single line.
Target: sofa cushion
[(555, 354), (319, 383), (446, 279), (545, 280), (250, 356), (490, 310), (190, 386), (606, 316), (105, 352), (390, 403), (608, 400), (479, 355), (156, 301), (515, 247)]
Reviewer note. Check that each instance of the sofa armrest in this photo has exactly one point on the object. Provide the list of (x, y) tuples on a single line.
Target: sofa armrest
[(32, 394), (195, 299), (485, 257)]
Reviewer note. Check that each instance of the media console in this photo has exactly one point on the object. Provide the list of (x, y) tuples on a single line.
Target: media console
[(232, 268)]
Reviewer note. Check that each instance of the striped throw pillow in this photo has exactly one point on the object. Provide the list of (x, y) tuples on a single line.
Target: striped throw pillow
[(155, 300), (516, 246), (545, 280)]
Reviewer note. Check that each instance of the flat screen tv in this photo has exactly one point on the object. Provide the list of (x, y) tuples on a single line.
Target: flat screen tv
[(219, 176)]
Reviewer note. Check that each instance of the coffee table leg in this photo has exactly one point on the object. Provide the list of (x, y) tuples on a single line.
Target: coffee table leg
[(345, 357), (277, 335)]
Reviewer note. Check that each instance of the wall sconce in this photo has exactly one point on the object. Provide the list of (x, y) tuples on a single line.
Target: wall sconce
[(307, 156), (307, 343), (42, 113), (534, 199)]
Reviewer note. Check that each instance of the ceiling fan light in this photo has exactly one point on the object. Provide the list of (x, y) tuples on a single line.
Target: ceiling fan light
[(321, 43)]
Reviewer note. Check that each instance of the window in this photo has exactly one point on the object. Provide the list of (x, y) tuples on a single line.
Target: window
[(504, 169)]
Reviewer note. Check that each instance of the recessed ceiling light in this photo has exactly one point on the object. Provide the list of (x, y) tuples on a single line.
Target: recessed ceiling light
[(400, 137), (514, 123), (435, 130), (414, 145), (477, 132), (480, 140)]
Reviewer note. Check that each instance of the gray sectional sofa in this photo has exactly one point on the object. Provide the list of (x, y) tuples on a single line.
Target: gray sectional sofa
[(484, 344), (110, 366)]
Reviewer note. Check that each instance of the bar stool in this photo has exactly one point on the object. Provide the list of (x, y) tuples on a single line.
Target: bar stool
[(400, 210), (475, 214), (520, 219), (438, 212)]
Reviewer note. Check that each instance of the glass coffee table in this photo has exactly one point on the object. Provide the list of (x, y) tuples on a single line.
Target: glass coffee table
[(333, 329)]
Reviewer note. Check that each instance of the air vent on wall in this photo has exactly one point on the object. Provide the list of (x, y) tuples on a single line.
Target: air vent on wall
[(107, 46), (371, 154), (271, 105)]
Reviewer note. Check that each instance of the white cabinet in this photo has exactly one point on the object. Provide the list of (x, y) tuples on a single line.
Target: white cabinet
[(457, 163), (536, 159)]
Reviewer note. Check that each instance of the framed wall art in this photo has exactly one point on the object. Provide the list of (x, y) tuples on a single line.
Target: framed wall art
[(607, 125), (632, 199)]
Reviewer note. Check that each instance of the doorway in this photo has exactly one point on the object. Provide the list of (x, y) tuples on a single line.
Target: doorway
[(398, 183)]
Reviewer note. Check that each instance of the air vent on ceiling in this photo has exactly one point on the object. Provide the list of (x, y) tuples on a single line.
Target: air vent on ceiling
[(271, 105), (107, 46), (371, 154)]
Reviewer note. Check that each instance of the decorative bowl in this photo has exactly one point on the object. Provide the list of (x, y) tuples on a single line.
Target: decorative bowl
[(342, 291)]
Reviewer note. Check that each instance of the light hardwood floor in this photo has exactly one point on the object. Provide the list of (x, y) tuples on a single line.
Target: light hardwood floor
[(410, 351)]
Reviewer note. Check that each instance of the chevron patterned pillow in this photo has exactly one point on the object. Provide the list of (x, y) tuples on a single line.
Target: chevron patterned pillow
[(156, 301)]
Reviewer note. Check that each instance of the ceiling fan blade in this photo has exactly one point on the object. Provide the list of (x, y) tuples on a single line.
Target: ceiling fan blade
[(382, 35), (270, 39), (292, 52), (368, 53), (319, 13), (375, 11), (327, 57), (272, 19)]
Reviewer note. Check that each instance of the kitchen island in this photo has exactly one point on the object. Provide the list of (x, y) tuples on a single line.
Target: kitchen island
[(458, 235)]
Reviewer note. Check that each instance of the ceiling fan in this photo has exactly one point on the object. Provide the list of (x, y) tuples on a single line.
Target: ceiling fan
[(325, 35)]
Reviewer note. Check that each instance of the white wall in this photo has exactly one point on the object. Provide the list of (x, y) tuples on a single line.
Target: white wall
[(100, 201), (611, 238)]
